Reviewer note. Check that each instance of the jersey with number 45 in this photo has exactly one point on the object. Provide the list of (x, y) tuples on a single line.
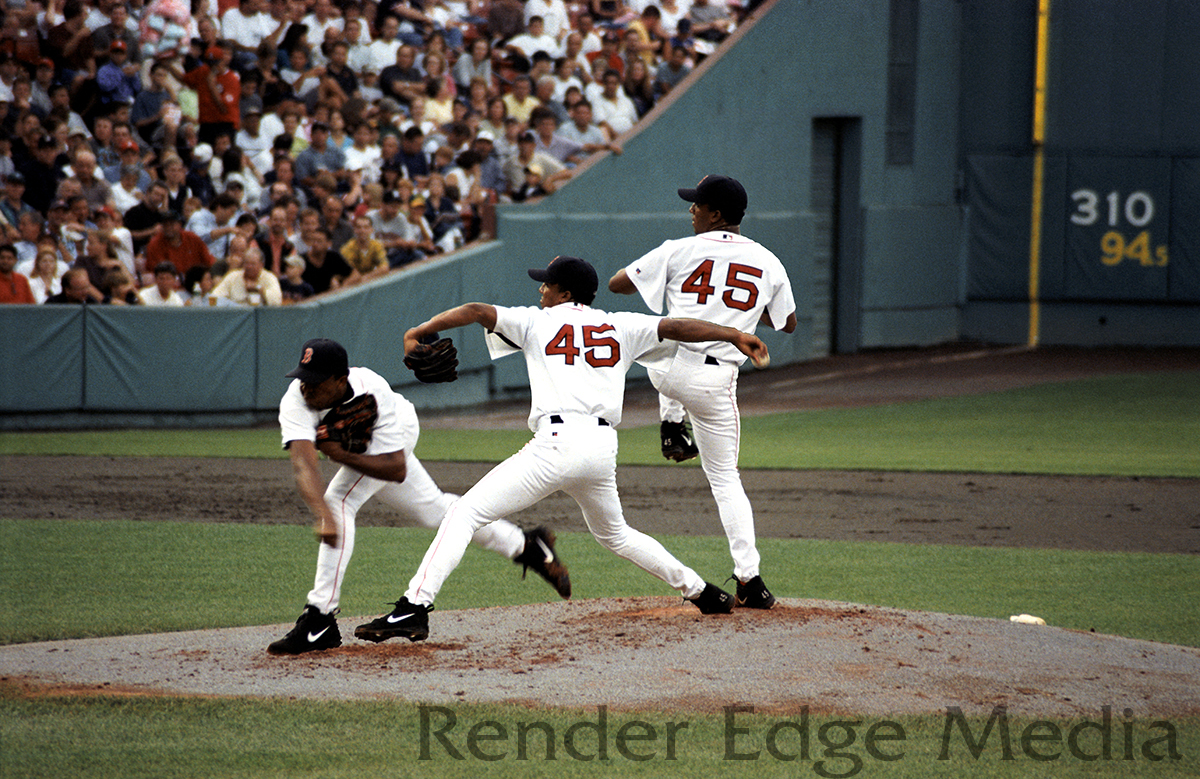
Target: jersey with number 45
[(577, 356), (718, 276)]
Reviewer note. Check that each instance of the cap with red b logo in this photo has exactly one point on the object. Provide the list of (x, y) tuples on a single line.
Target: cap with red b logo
[(320, 358)]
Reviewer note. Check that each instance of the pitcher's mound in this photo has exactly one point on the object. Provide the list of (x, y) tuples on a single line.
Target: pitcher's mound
[(657, 654)]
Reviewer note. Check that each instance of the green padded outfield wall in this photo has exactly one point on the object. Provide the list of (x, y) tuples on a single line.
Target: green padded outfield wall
[(1119, 255), (750, 112)]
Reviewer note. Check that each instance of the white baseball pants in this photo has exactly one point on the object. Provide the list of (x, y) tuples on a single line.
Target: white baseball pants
[(709, 393), (417, 498), (577, 456)]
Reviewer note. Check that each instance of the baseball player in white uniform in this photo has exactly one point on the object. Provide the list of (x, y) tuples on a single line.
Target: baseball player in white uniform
[(577, 358), (387, 469), (721, 276)]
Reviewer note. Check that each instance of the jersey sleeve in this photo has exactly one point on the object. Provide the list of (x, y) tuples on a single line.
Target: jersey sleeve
[(510, 333), (649, 274), (783, 302), (297, 422)]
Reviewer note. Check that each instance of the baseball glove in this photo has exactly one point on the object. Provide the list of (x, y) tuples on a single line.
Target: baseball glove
[(433, 363), (350, 424)]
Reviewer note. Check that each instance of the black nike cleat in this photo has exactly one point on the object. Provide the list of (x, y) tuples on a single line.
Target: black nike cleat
[(753, 594), (677, 443), (539, 555), (713, 600), (407, 620), (314, 631)]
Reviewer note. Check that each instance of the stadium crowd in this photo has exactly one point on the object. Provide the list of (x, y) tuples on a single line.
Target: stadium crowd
[(259, 152)]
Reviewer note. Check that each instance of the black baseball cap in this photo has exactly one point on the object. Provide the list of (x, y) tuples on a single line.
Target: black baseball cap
[(570, 273), (719, 193), (320, 359)]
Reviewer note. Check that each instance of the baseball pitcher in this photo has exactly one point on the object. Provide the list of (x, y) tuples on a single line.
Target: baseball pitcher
[(721, 276)]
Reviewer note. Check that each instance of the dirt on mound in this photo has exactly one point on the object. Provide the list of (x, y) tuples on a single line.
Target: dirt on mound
[(656, 654)]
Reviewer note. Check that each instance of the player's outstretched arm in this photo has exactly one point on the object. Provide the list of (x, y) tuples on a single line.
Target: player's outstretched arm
[(466, 314), (693, 330), (621, 284), (312, 490)]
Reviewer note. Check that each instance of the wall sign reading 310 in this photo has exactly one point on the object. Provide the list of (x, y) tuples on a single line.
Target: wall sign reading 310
[(1137, 210)]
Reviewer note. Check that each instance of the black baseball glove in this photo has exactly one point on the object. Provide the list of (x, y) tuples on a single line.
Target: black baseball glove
[(435, 362), (350, 424)]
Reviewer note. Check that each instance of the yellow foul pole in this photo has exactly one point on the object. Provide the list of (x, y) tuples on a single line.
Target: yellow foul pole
[(1039, 138)]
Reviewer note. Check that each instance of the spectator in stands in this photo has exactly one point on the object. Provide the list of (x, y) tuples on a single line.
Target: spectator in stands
[(551, 172), (126, 193), (505, 18), (273, 242), (251, 285), (14, 287), (494, 119), (46, 277), (585, 133), (491, 169), (382, 51), (174, 175), (639, 86), (292, 287), (246, 27), (320, 155), (110, 230), (215, 225), (324, 268), (118, 80), (412, 156), (165, 289), (609, 54), (402, 80), (394, 230), (144, 219), (613, 110), (29, 231), (649, 36), (119, 288), (42, 174), (477, 63), (71, 44), (218, 90), (333, 219), (174, 244), (77, 289), (534, 39), (520, 102), (12, 206), (443, 216), (545, 127), (673, 70), (366, 255), (612, 13), (710, 21)]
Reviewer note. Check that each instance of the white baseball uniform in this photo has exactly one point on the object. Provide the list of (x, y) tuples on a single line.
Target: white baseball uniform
[(728, 279), (417, 498), (577, 358)]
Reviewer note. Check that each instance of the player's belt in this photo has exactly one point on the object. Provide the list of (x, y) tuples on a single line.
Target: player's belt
[(555, 419), (710, 360)]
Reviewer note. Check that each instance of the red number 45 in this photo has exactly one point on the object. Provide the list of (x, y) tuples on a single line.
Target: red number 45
[(700, 284), (594, 342)]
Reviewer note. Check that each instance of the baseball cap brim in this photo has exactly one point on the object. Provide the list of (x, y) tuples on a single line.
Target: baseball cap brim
[(690, 195), (307, 375)]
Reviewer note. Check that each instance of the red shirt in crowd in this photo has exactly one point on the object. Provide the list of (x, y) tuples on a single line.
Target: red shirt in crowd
[(14, 288), (229, 89), (190, 252)]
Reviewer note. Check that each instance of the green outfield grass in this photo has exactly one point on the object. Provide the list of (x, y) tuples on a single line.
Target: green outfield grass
[(81, 578), (1135, 425), (165, 738)]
